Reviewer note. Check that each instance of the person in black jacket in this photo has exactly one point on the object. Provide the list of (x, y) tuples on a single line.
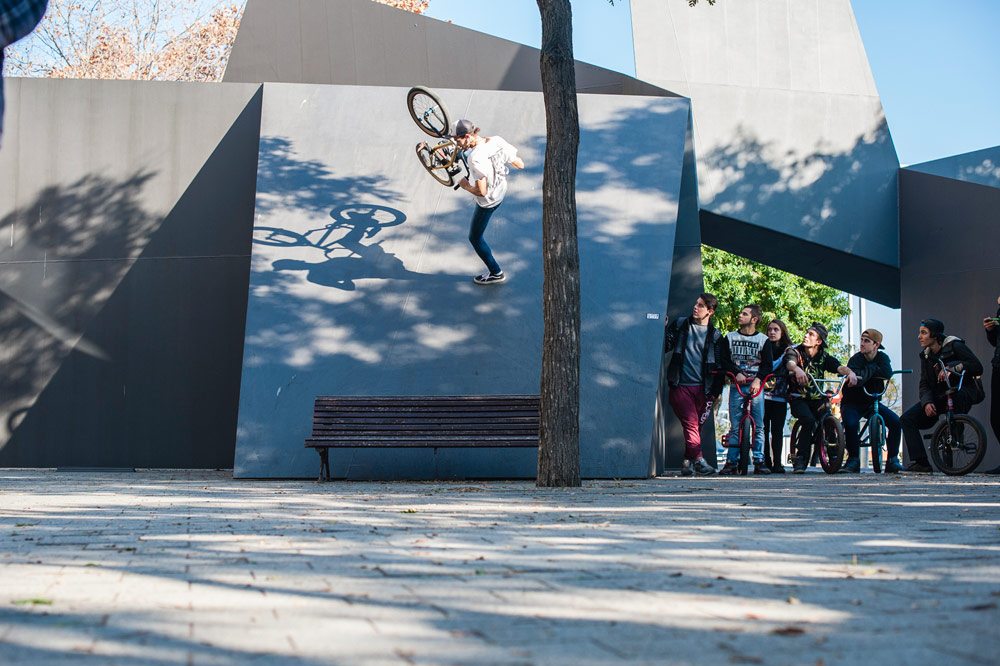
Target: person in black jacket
[(992, 329), (956, 355), (804, 361), (692, 374), (873, 368)]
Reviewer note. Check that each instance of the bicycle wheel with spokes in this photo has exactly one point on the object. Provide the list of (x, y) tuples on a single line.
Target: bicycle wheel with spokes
[(876, 436), (958, 445), (434, 166), (793, 440), (746, 438), (830, 441), (427, 111)]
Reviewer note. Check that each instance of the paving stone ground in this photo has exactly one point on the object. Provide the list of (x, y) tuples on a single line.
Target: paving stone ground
[(167, 567)]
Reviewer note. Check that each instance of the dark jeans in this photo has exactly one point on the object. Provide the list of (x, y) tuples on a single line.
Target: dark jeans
[(775, 412), (915, 419), (480, 218), (851, 415), (805, 412)]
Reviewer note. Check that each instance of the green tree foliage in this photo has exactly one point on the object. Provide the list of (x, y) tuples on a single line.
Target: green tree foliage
[(795, 300)]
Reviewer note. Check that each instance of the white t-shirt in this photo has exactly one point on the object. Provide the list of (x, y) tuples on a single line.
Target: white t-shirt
[(489, 160)]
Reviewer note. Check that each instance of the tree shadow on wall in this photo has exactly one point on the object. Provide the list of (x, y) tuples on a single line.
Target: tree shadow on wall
[(842, 199), (70, 247)]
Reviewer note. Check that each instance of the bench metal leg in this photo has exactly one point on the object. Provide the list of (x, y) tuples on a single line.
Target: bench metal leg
[(324, 464)]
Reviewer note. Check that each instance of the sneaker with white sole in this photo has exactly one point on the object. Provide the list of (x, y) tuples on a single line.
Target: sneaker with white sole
[(490, 278)]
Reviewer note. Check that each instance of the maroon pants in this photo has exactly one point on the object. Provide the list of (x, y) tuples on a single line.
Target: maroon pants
[(688, 403)]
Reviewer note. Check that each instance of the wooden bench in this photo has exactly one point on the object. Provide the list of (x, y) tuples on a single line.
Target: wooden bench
[(466, 421)]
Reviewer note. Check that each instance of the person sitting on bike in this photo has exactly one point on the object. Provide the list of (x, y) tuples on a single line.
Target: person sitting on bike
[(692, 343), (805, 361), (487, 157), (872, 367), (746, 353), (937, 348)]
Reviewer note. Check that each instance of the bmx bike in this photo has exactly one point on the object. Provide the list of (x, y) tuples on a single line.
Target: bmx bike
[(747, 429), (828, 437), (958, 442), (444, 161), (873, 433)]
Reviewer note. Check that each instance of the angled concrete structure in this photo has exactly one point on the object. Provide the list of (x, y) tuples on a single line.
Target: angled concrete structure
[(361, 277), (126, 210), (795, 162), (951, 268), (138, 330)]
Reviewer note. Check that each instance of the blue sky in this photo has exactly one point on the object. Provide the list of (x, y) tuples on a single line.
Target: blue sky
[(936, 64)]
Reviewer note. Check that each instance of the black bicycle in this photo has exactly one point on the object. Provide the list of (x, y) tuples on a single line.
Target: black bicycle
[(444, 161), (828, 438), (958, 443), (873, 433)]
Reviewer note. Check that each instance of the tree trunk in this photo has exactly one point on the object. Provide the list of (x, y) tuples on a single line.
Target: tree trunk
[(559, 441)]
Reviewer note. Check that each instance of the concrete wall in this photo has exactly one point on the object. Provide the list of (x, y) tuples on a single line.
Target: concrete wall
[(951, 268), (359, 42), (789, 132), (125, 210), (361, 276)]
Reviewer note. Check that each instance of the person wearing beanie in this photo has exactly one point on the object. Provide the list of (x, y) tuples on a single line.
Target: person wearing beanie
[(937, 348), (873, 368), (805, 361)]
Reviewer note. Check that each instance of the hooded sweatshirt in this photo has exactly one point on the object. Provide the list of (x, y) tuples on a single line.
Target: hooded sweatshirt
[(957, 356)]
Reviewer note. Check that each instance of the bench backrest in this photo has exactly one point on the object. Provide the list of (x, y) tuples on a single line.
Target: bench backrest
[(455, 421)]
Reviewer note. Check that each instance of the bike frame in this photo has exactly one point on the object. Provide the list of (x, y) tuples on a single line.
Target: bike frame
[(747, 403)]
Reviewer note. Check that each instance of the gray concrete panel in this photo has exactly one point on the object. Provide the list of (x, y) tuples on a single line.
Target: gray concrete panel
[(789, 129), (981, 167), (359, 42), (950, 270), (363, 284), (128, 208)]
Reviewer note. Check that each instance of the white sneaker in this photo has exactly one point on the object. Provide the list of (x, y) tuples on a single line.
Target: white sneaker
[(490, 278)]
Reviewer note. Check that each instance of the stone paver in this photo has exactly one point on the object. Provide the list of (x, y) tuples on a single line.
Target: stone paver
[(166, 567)]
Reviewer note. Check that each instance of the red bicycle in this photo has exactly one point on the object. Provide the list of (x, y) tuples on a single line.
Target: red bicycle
[(747, 427)]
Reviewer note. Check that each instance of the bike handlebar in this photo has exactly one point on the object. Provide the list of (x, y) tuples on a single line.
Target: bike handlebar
[(951, 371), (823, 392), (739, 389), (886, 380)]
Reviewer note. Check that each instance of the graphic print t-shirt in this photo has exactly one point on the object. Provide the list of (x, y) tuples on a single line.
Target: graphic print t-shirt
[(489, 160), (745, 351)]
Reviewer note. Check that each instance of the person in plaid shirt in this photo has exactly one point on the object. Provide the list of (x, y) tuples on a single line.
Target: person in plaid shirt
[(17, 19)]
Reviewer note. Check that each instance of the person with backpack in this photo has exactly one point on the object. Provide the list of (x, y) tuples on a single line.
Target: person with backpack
[(692, 344), (936, 349)]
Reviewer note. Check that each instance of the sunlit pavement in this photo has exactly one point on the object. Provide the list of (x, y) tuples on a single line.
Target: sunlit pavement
[(196, 568)]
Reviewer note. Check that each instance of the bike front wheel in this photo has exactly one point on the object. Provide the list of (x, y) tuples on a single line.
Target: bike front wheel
[(958, 445), (746, 438), (876, 436), (831, 443), (427, 111)]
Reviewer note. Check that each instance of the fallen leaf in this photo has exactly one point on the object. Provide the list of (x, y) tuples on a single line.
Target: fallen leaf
[(981, 607), (794, 601), (788, 631)]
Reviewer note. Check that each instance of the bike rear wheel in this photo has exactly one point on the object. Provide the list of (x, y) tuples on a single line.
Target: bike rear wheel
[(793, 440), (427, 111), (958, 445), (876, 435), (831, 444)]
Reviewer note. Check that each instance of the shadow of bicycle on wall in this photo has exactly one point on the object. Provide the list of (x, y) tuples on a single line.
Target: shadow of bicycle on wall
[(347, 257)]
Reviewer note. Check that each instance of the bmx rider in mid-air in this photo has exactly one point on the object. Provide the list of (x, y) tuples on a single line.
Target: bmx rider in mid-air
[(488, 158)]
